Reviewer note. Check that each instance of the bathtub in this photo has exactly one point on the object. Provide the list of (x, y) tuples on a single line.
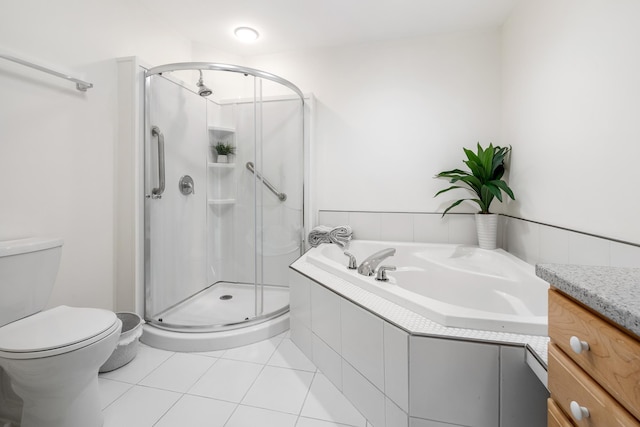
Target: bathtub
[(454, 285)]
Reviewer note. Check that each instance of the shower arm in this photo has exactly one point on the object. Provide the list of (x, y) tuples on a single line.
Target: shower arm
[(281, 196)]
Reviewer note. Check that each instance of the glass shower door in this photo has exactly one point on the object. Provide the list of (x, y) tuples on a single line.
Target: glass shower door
[(175, 221)]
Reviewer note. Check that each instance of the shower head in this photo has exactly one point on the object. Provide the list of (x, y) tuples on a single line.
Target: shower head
[(202, 89)]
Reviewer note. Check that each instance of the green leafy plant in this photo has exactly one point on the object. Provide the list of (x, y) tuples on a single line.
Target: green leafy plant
[(484, 179), (225, 149)]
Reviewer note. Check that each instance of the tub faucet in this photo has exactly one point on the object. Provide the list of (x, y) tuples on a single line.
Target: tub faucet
[(369, 265)]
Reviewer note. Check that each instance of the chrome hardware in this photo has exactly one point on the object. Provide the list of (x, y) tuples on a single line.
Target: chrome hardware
[(382, 272), (81, 85), (186, 185), (281, 196), (369, 265), (353, 264), (156, 193)]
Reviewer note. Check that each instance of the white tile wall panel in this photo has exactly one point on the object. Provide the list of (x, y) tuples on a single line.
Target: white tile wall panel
[(519, 391), (454, 381), (333, 218), (396, 227), (554, 245), (623, 255), (366, 225), (301, 336), (462, 229), (362, 342), (325, 316), (300, 297), (364, 395), (588, 250), (328, 361), (430, 228), (396, 365), (394, 416)]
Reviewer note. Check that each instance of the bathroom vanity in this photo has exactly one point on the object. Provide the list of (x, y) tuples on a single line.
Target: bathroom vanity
[(594, 353)]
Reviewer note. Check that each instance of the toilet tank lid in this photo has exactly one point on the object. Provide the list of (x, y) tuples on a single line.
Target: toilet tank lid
[(32, 244)]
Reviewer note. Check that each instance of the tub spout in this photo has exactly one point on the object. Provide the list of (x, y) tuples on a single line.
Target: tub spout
[(369, 265)]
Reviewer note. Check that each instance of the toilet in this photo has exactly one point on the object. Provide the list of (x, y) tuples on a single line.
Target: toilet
[(51, 357)]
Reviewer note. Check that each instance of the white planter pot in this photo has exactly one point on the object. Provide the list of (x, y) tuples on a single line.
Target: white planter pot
[(222, 158), (487, 228)]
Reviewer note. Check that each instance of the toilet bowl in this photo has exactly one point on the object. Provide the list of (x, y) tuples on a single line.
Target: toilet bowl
[(52, 360), (51, 356)]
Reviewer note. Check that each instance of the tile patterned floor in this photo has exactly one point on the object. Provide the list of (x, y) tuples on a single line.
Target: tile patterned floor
[(267, 384)]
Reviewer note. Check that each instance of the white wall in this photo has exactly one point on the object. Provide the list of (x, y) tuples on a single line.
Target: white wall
[(570, 109), (391, 115), (57, 145)]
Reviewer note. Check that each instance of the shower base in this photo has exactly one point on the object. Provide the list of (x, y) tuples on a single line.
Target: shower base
[(220, 317)]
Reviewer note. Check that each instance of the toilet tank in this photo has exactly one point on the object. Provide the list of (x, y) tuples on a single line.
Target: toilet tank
[(28, 269)]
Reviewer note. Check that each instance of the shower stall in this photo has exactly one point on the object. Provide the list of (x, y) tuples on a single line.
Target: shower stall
[(220, 231)]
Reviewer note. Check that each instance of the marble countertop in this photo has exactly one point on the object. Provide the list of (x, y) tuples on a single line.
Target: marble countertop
[(611, 291)]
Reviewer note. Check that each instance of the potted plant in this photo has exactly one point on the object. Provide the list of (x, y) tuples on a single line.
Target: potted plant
[(485, 181), (224, 151)]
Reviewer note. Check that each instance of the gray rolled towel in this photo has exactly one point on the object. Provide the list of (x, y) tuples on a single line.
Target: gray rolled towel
[(341, 235), (324, 234)]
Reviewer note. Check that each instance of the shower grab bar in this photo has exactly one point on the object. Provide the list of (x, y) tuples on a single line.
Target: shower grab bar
[(81, 85), (156, 193), (281, 196)]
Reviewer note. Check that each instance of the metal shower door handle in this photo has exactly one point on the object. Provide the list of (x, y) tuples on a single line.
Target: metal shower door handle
[(156, 193)]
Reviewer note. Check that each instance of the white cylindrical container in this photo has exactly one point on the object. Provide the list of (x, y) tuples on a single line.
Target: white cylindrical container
[(487, 228)]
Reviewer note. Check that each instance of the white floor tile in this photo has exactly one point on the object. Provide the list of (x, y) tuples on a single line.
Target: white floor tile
[(246, 416), (259, 352), (214, 353), (179, 372), (279, 389), (139, 407), (310, 422), (227, 380), (288, 355), (147, 359), (195, 411), (325, 402), (111, 390)]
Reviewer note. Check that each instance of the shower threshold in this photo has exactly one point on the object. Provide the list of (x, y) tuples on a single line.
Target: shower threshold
[(224, 306)]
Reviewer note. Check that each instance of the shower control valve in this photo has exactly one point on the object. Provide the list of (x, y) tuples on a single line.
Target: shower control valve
[(186, 185)]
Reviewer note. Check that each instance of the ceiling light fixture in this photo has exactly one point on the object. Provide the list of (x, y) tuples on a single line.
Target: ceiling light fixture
[(246, 34)]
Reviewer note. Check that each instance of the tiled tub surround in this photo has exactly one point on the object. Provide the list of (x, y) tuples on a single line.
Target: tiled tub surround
[(531, 241), (401, 369)]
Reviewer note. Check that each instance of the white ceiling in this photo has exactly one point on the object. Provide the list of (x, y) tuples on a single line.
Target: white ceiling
[(287, 25)]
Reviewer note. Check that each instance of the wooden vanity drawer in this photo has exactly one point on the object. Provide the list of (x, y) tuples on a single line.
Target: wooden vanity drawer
[(569, 383), (613, 358), (555, 416)]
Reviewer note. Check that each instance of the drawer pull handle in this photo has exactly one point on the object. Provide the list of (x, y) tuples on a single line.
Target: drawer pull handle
[(578, 346), (578, 412)]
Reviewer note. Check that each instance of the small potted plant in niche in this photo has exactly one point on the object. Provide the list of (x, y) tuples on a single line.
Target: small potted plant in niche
[(224, 151), (485, 181)]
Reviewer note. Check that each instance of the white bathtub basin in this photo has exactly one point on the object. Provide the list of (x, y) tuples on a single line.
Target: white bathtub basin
[(454, 285)]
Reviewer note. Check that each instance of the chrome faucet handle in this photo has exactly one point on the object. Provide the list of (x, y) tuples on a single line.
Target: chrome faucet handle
[(382, 272), (353, 264)]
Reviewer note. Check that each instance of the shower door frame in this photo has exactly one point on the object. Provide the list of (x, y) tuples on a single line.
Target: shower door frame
[(191, 66)]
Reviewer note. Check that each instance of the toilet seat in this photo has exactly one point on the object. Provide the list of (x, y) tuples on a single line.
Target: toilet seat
[(56, 331)]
